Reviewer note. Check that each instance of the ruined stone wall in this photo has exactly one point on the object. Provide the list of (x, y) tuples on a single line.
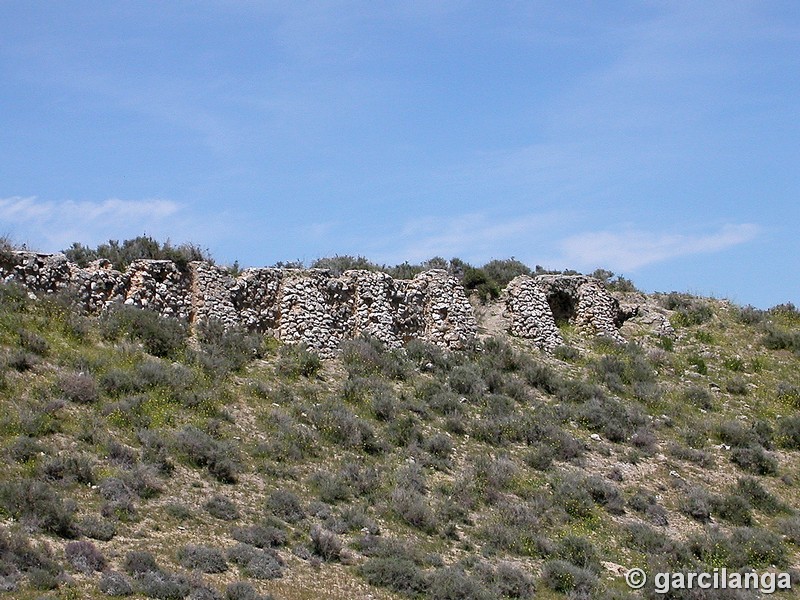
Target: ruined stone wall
[(536, 305), (311, 306), (295, 305)]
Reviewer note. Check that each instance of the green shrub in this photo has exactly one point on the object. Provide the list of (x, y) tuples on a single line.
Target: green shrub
[(97, 528), (696, 503), (225, 349), (203, 558), (255, 562), (570, 494), (242, 590), (222, 508), (426, 356), (467, 380), (477, 281), (286, 505), (38, 505), (325, 544), (220, 458), (23, 449), (566, 353), (733, 508), (757, 496), (756, 548), (85, 557), (139, 561), (507, 580), (578, 551), (368, 356), (788, 393), (698, 396), (452, 583), (33, 342), (113, 583), (70, 467), (736, 386), (689, 311), (260, 536), (400, 575), (754, 459), (141, 247), (562, 576), (160, 336), (503, 271), (781, 339), (789, 432), (414, 508), (297, 361), (163, 585), (699, 364)]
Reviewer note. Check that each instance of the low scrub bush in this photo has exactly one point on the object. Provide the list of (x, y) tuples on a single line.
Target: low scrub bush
[(579, 551), (80, 388), (137, 562), (221, 507), (160, 336), (507, 580), (220, 458), (97, 528), (414, 508), (789, 432), (225, 349), (781, 339), (203, 558), (38, 505), (242, 590), (368, 356), (114, 583), (755, 460), (696, 503), (296, 360), (733, 508), (562, 576), (260, 536), (342, 426), (325, 544), (736, 386), (689, 311), (69, 467), (757, 496), (285, 505), (698, 396), (255, 562), (452, 583), (85, 557), (400, 575), (163, 585)]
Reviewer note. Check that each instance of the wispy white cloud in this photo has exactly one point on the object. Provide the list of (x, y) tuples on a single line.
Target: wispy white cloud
[(52, 225), (472, 236), (632, 249)]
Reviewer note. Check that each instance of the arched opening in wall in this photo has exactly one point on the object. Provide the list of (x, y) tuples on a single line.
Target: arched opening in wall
[(562, 305)]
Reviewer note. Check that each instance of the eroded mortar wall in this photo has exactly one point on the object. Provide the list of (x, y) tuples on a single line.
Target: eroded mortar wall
[(295, 305), (311, 306), (530, 303)]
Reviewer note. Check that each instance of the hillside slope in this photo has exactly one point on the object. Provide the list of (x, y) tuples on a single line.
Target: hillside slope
[(140, 461)]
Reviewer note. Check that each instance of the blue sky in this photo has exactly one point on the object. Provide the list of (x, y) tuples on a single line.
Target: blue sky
[(657, 139)]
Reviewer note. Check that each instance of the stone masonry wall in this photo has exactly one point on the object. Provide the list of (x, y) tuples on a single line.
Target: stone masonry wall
[(311, 306), (535, 305), (295, 305)]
